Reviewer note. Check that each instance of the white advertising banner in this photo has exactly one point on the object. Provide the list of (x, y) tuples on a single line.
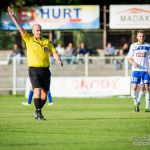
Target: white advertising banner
[(90, 86), (129, 17), (55, 17)]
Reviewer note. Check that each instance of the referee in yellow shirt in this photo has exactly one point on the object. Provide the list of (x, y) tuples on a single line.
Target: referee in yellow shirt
[(38, 51)]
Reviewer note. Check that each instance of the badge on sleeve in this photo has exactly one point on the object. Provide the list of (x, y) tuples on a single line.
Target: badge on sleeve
[(46, 49)]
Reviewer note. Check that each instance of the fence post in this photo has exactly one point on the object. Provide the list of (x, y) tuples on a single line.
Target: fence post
[(86, 65), (126, 67), (14, 75), (104, 27)]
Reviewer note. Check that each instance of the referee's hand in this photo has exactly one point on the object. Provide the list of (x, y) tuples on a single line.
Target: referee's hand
[(59, 62), (10, 11)]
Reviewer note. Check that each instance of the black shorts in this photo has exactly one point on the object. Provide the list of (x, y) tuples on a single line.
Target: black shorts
[(40, 77)]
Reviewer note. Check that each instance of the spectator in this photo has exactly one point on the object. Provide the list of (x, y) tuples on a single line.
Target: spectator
[(118, 62), (121, 52), (14, 54), (18, 49), (125, 49), (93, 51), (69, 53), (109, 51), (82, 50), (61, 50)]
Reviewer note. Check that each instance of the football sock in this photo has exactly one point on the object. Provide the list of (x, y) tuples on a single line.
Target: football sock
[(49, 96), (30, 97), (147, 99), (140, 96), (134, 96), (43, 101), (37, 103)]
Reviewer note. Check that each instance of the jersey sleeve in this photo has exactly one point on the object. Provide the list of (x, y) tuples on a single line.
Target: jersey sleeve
[(26, 36), (52, 49), (131, 52), (149, 54)]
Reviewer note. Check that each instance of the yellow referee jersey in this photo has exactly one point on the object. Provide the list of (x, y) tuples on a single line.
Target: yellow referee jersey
[(38, 50)]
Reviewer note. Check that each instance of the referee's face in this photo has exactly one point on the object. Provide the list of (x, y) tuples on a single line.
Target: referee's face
[(36, 30), (140, 38)]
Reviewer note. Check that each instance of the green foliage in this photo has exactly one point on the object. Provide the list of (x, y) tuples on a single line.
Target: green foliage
[(7, 41), (20, 3)]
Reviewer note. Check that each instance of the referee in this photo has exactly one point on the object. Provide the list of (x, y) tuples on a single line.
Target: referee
[(38, 51)]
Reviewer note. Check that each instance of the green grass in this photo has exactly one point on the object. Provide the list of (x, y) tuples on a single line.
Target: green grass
[(74, 124)]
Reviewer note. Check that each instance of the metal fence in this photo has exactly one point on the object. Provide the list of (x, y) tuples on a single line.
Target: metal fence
[(14, 73)]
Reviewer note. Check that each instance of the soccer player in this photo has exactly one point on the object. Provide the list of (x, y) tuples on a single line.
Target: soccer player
[(38, 51), (30, 96), (139, 57)]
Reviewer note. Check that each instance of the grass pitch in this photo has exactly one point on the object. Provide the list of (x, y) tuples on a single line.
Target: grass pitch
[(74, 124)]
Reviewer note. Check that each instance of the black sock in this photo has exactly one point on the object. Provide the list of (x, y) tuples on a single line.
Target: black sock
[(43, 101), (37, 103)]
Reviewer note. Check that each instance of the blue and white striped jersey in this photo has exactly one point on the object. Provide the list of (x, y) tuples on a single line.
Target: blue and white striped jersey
[(140, 53)]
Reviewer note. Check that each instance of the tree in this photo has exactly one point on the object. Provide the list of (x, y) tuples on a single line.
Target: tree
[(20, 3)]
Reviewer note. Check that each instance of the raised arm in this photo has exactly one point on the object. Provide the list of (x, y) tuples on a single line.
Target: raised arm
[(15, 20)]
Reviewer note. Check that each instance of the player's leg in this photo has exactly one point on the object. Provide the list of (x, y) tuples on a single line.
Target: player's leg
[(30, 96), (44, 84), (147, 98), (37, 103), (43, 97), (29, 99), (146, 80), (141, 93), (135, 81), (49, 96), (35, 78), (134, 95)]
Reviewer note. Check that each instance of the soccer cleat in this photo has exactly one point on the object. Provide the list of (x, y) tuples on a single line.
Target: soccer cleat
[(40, 118), (38, 115), (35, 114), (137, 109), (147, 110), (50, 104), (25, 103)]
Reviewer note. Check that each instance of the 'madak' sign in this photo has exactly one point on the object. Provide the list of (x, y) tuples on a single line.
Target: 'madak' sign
[(55, 17), (129, 17)]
